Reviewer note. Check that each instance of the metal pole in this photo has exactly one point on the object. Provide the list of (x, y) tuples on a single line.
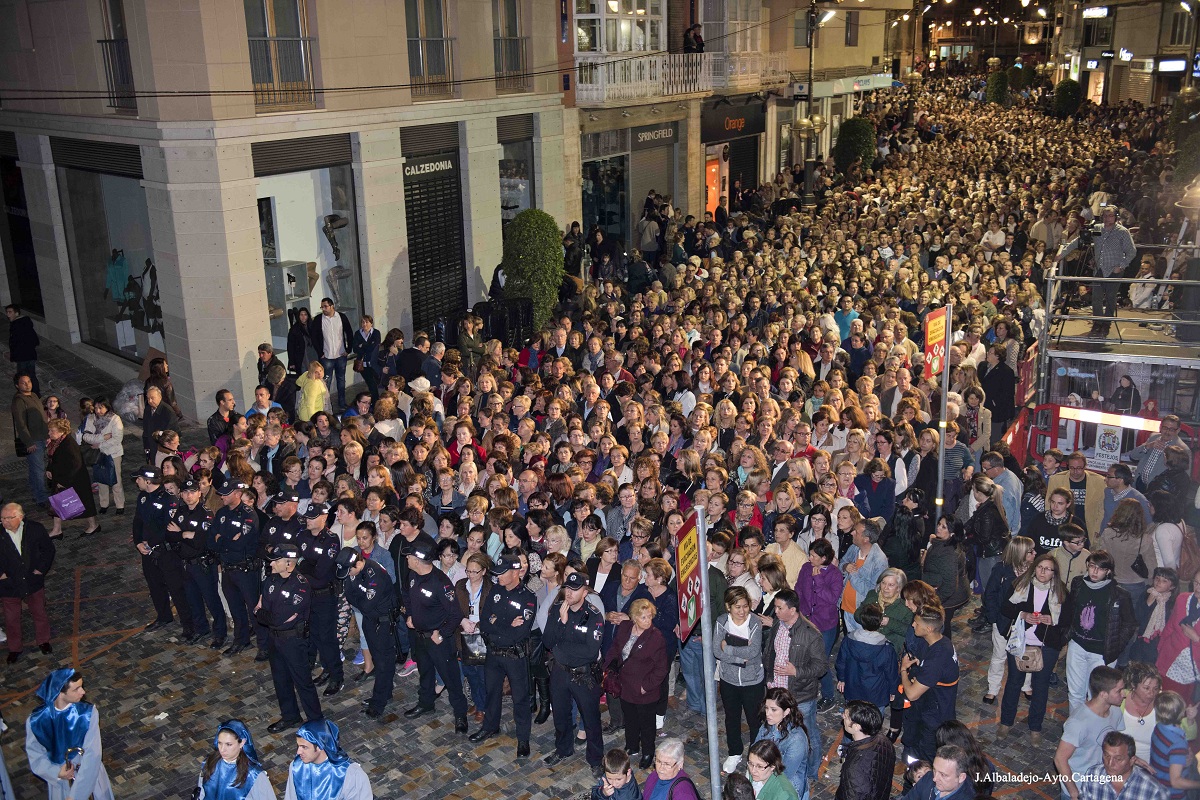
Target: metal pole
[(710, 662), (942, 418), (810, 167)]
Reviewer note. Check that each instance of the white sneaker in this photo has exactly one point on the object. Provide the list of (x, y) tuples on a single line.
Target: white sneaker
[(730, 764)]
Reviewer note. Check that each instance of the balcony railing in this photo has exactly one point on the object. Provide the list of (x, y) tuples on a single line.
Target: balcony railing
[(119, 73), (282, 71), (748, 70), (617, 78), (512, 63), (431, 67)]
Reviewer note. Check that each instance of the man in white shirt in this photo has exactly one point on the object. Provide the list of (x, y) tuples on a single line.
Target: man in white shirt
[(331, 334)]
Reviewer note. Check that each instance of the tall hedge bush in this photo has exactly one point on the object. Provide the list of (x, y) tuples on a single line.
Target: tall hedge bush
[(1068, 96), (533, 261), (856, 139)]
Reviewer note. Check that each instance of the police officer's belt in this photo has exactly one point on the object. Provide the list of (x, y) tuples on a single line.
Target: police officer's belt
[(205, 560), (249, 565), (517, 651), (323, 590), (298, 632)]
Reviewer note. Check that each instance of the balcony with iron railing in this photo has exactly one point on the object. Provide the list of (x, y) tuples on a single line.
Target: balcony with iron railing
[(619, 78), (512, 64), (748, 71), (431, 68), (282, 70), (118, 72)]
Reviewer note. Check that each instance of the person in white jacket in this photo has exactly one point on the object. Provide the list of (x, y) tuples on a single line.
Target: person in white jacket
[(104, 431)]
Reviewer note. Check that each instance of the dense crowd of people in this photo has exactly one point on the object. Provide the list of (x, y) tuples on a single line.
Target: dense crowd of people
[(504, 521)]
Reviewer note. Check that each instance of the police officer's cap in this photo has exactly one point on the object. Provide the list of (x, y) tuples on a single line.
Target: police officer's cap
[(317, 510), (287, 496), (346, 559), (189, 486), (284, 551), (504, 565), (229, 487), (418, 549), (149, 473), (575, 581)]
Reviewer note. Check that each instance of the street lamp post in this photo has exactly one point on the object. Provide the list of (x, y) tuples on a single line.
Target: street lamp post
[(1188, 93), (809, 127)]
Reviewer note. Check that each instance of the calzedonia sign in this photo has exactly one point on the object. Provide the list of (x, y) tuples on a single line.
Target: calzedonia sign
[(721, 121), (425, 168)]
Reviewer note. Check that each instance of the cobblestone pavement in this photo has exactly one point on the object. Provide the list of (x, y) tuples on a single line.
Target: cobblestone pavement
[(160, 700)]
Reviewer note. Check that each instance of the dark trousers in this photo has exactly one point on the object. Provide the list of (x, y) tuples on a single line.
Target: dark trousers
[(919, 733), (242, 590), (291, 675), (739, 701), (1041, 690), (164, 575), (562, 692), (1104, 299), (434, 661), (200, 587), (335, 372), (639, 726), (496, 669), (323, 634), (382, 644), (950, 612)]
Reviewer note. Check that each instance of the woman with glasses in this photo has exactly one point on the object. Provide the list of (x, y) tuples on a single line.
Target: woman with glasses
[(668, 770), (765, 767), (470, 592)]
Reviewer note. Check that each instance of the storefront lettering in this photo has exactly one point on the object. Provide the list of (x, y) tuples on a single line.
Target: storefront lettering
[(735, 123), (655, 135), (428, 167)]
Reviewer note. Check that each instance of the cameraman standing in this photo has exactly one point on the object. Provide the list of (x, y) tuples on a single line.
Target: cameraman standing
[(1114, 251)]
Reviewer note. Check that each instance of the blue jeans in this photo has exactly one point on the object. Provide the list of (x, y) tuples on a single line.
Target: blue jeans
[(475, 679), (36, 462), (808, 709), (336, 368), (691, 663), (828, 690)]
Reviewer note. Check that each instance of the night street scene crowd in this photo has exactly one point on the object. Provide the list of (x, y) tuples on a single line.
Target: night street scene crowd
[(487, 522)]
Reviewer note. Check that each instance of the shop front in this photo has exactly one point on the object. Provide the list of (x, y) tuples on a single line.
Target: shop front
[(16, 236), (308, 226), (620, 168), (433, 214), (515, 135), (731, 130), (107, 225)]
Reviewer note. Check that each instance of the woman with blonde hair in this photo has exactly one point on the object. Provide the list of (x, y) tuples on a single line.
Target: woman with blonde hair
[(314, 394), (1018, 558), (65, 470)]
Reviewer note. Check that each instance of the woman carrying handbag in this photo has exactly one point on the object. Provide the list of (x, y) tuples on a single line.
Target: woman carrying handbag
[(104, 432), (66, 471), (639, 653)]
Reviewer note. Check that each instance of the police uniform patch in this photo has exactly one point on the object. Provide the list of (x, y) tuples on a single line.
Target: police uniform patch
[(271, 588)]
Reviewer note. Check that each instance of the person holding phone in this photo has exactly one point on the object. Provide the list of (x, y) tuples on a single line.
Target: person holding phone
[(618, 782), (737, 647)]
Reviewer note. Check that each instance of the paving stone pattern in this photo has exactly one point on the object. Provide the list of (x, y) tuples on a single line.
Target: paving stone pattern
[(160, 700)]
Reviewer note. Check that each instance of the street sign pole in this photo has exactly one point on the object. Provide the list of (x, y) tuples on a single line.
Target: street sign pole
[(710, 662), (941, 480)]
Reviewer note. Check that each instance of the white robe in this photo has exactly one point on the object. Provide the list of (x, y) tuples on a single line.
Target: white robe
[(261, 789), (6, 790), (90, 779), (356, 786)]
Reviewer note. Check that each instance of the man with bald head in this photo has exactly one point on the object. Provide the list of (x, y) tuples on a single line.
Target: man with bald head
[(26, 555)]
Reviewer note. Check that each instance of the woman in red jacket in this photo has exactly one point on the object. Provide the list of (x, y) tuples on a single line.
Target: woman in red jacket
[(640, 652), (1179, 644)]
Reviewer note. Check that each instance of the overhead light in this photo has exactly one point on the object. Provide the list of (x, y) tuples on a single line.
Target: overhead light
[(895, 22), (968, 23), (905, 18), (655, 110), (926, 9), (1186, 6), (978, 11), (1007, 20), (626, 114), (828, 16), (1042, 13), (593, 118)]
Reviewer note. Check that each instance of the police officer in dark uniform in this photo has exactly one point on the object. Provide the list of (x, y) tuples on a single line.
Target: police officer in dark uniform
[(409, 522), (160, 562), (285, 527), (188, 530), (506, 621), (235, 539), (433, 616), (283, 611), (318, 550), (370, 590), (573, 632)]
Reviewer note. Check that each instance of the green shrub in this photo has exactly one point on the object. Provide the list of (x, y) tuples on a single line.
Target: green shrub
[(997, 88), (1018, 77), (1179, 128), (1068, 96), (1187, 160), (533, 261), (856, 139)]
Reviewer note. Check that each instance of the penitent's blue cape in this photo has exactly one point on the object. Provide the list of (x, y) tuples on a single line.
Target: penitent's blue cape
[(219, 785), (320, 781), (59, 731)]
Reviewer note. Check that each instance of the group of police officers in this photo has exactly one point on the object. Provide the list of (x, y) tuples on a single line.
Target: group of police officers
[(292, 611)]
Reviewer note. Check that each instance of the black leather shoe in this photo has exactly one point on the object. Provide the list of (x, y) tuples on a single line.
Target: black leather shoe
[(283, 725), (93, 531), (552, 759), (321, 679), (460, 725), (262, 655), (372, 713), (333, 688), (522, 749), (156, 625), (46, 648), (120, 512), (234, 649), (647, 761), (598, 771), (103, 509), (217, 644), (417, 711), (13, 656), (363, 675), (611, 728), (482, 735)]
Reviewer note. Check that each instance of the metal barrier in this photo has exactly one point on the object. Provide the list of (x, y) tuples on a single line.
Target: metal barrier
[(431, 67), (281, 68)]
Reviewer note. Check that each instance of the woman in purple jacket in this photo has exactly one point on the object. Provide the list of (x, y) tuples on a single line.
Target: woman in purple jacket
[(820, 589), (639, 651)]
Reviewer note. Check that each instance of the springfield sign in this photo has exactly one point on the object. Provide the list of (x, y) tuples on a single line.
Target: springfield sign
[(424, 168), (653, 136)]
